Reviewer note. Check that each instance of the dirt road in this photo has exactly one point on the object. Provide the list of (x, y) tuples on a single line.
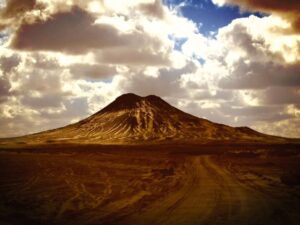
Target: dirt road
[(143, 188), (212, 195)]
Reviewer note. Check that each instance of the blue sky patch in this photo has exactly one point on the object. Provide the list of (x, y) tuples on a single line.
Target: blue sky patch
[(207, 15)]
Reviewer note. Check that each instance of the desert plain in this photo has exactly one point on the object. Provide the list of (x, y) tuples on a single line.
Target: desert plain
[(150, 184)]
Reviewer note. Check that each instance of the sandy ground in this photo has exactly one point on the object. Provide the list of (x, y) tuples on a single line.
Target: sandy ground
[(153, 185)]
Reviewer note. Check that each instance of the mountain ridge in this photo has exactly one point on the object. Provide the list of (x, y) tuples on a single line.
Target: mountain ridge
[(132, 119)]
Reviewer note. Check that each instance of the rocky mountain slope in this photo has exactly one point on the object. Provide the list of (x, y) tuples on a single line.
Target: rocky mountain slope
[(132, 119)]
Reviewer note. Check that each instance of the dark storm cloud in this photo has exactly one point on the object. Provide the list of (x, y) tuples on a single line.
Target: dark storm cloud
[(257, 111), (44, 63), (14, 12), (97, 71), (2, 26), (218, 95), (134, 56), (15, 8), (44, 83), (226, 114), (8, 63), (5, 87), (259, 75), (279, 96), (72, 32), (154, 9), (288, 9), (52, 101)]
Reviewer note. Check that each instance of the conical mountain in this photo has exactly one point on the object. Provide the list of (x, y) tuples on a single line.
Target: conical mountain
[(132, 119)]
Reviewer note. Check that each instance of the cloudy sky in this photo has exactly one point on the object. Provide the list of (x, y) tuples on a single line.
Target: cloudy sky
[(235, 62)]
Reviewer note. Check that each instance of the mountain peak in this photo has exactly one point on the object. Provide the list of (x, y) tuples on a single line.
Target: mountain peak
[(134, 97), (153, 98), (131, 100), (133, 119), (129, 97)]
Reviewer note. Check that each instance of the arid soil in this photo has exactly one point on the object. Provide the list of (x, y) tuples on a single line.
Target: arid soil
[(176, 185)]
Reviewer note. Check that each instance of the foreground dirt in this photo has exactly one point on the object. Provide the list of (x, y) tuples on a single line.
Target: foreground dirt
[(159, 185)]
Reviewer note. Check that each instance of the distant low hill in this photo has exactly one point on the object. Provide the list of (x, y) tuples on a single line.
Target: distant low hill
[(132, 119)]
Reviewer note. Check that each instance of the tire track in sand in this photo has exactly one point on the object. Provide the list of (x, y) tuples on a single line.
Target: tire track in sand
[(210, 195)]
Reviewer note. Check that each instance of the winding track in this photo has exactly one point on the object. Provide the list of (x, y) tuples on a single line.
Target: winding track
[(199, 192), (210, 195)]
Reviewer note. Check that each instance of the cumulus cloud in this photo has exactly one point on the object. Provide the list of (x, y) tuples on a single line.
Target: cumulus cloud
[(163, 82), (257, 75), (61, 61), (289, 10), (73, 31), (14, 11), (155, 9), (93, 71), (257, 58), (256, 65), (8, 63), (69, 51), (36, 94), (4, 89), (15, 7), (278, 95), (53, 101), (131, 56), (112, 38), (286, 127)]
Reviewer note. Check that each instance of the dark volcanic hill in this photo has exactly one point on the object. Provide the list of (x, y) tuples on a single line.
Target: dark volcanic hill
[(132, 119)]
